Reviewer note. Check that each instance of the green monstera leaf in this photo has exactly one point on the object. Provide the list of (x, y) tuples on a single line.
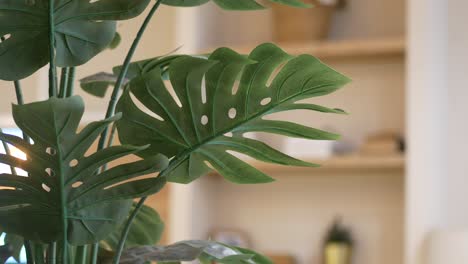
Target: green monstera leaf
[(82, 30), (235, 4), (190, 250), (221, 98), (65, 186)]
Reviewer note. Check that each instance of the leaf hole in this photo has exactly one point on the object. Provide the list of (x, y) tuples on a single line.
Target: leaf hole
[(5, 37), (228, 134), (235, 87), (50, 172), (45, 187), (73, 163), (274, 74), (77, 184), (232, 113), (203, 90), (144, 109), (204, 120), (93, 1), (172, 92), (51, 151), (265, 101), (208, 164)]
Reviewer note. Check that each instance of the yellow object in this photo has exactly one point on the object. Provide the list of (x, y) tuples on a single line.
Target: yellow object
[(337, 253)]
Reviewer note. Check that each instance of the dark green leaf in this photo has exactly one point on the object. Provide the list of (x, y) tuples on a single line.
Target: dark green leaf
[(146, 229), (82, 29), (196, 132), (64, 182), (98, 84), (235, 5), (16, 244), (188, 251)]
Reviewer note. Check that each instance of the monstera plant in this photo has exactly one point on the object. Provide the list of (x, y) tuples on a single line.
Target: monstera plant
[(182, 116)]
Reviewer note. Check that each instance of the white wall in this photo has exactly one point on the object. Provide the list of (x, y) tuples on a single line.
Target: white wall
[(437, 177)]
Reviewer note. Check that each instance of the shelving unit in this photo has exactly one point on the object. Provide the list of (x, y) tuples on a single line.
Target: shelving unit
[(291, 215), (344, 164), (356, 48)]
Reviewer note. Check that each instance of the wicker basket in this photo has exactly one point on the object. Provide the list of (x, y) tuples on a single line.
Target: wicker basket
[(296, 25)]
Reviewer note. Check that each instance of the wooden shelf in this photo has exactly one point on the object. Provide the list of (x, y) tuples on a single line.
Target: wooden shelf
[(352, 163), (342, 49)]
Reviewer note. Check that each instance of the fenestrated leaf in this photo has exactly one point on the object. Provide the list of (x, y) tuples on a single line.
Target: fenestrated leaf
[(63, 182), (98, 84), (225, 93), (146, 229), (82, 30), (235, 5), (189, 251)]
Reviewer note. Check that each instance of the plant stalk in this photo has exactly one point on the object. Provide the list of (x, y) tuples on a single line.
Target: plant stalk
[(63, 82), (81, 254), (71, 82), (126, 229), (94, 253), (29, 255), (52, 253), (123, 72), (20, 100), (52, 68)]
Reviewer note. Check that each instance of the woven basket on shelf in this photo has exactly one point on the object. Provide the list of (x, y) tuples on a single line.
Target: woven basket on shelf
[(296, 25)]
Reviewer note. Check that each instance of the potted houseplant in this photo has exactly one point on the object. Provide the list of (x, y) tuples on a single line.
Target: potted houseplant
[(71, 207)]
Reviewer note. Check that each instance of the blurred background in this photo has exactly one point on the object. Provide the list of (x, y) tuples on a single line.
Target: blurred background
[(391, 191)]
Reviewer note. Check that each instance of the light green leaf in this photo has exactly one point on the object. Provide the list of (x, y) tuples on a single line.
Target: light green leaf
[(196, 133), (235, 5), (82, 30), (64, 182), (146, 229), (189, 250)]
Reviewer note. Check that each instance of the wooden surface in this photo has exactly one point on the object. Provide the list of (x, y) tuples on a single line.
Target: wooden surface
[(350, 163), (341, 49)]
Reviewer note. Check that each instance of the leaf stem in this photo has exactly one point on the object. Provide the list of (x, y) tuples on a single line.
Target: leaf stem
[(20, 100), (29, 255), (52, 68), (123, 72), (63, 82), (126, 229), (52, 254), (71, 82), (81, 254), (94, 253)]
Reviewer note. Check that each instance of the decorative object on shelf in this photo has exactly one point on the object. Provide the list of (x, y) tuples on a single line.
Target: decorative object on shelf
[(281, 258), (383, 143), (300, 148), (338, 245), (298, 25), (231, 237)]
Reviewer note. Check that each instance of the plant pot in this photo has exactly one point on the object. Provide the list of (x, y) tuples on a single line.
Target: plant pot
[(297, 25)]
